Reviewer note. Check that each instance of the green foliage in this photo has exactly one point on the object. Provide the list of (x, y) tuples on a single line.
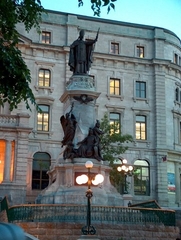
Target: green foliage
[(14, 74), (97, 4), (112, 141), (113, 145)]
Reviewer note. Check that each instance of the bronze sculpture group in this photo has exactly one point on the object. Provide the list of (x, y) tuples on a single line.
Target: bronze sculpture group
[(80, 59), (89, 147)]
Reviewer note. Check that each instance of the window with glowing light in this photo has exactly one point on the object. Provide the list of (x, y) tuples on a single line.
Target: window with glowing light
[(12, 160), (114, 120), (46, 37), (43, 118), (44, 78), (41, 164), (114, 86), (140, 51), (2, 159), (141, 178), (140, 127)]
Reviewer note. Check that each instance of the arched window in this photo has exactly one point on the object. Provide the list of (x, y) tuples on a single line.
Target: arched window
[(141, 178), (41, 164)]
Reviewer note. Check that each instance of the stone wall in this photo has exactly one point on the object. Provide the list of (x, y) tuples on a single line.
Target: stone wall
[(3, 216), (72, 231)]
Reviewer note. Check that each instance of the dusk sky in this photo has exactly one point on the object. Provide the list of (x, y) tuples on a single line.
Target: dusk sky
[(160, 13)]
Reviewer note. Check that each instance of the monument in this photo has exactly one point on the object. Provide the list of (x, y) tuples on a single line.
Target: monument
[(81, 141)]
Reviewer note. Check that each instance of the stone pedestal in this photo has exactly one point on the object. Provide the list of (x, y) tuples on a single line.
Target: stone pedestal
[(127, 198), (80, 96), (79, 99), (63, 188), (88, 237)]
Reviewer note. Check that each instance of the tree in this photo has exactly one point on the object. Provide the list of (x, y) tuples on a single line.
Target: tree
[(15, 76), (97, 4), (113, 144)]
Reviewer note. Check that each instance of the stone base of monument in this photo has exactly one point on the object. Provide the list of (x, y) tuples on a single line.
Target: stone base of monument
[(88, 237), (63, 188), (127, 199)]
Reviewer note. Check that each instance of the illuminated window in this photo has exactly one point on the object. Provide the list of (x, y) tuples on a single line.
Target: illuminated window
[(114, 48), (140, 89), (12, 160), (46, 37), (41, 164), (2, 159), (140, 51), (140, 127), (114, 119), (44, 78), (141, 178), (43, 118), (114, 86)]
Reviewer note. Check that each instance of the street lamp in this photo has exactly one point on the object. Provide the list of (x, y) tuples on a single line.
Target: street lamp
[(95, 179), (127, 170)]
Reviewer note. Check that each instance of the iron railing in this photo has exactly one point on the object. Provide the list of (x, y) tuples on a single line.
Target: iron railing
[(99, 214)]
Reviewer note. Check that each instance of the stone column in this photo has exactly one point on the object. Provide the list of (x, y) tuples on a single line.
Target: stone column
[(177, 183), (7, 165)]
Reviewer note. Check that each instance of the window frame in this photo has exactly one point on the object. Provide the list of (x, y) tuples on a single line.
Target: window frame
[(39, 115), (114, 87), (140, 91), (44, 78), (114, 48), (47, 33), (142, 126), (139, 53), (143, 167), (41, 171), (115, 121), (175, 59)]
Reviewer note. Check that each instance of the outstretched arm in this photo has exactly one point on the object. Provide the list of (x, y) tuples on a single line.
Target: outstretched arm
[(97, 35)]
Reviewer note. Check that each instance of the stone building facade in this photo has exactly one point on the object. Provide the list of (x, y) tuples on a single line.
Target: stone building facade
[(136, 68)]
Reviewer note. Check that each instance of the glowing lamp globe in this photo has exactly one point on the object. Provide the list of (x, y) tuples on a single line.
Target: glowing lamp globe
[(89, 164)]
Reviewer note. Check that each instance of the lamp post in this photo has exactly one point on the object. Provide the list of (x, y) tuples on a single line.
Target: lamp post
[(95, 179), (127, 170)]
